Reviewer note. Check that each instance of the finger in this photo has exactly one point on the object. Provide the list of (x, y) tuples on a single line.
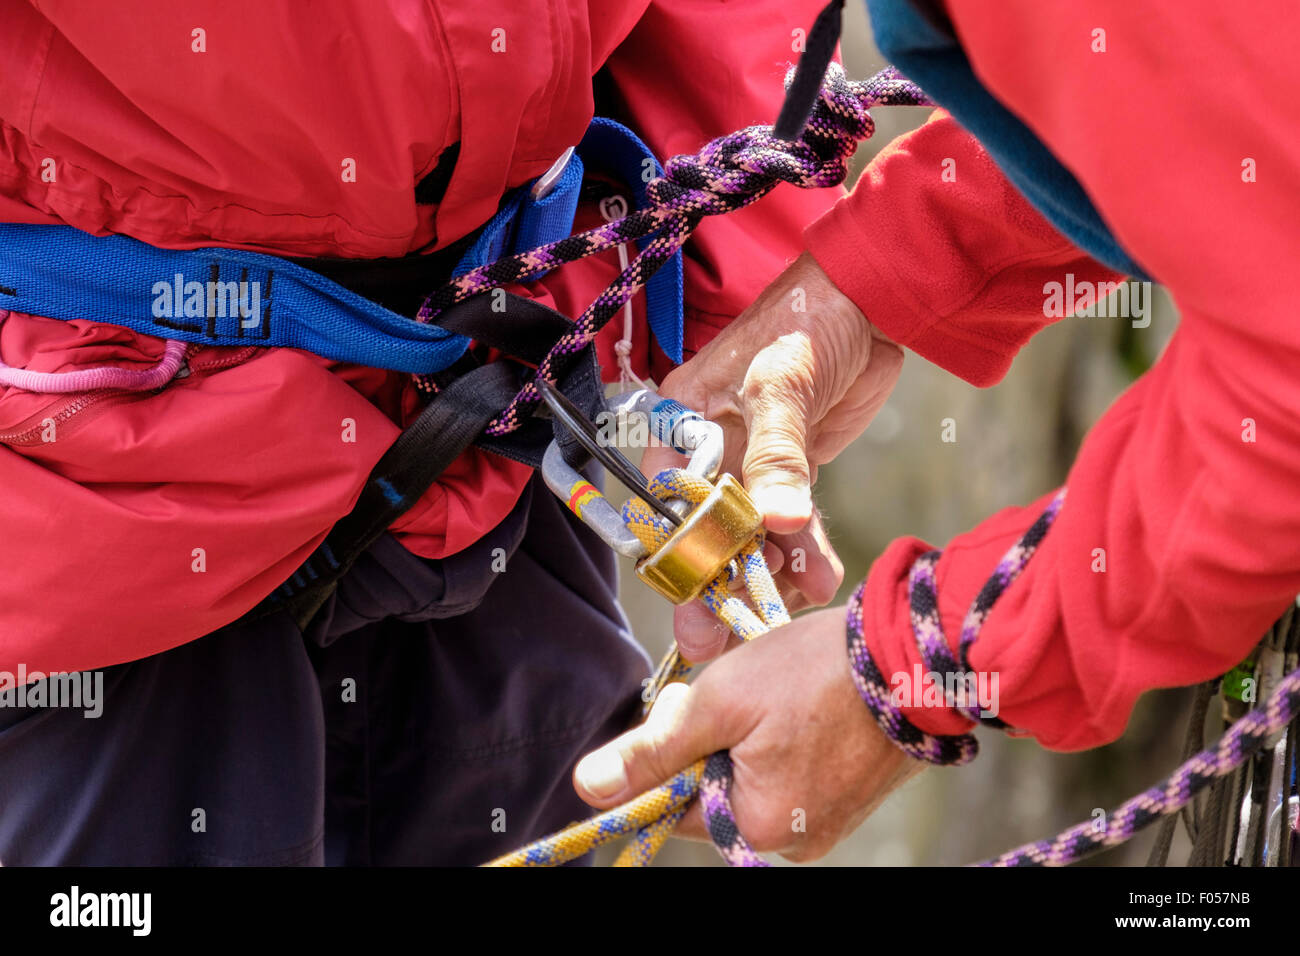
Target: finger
[(700, 635), (683, 727), (776, 396), (659, 457), (693, 825), (813, 570), (793, 598), (860, 405), (774, 556)]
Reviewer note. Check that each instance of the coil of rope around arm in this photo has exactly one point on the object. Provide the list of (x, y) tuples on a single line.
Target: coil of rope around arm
[(1246, 737)]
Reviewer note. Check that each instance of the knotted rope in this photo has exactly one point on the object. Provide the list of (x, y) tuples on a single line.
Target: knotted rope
[(1247, 736), (728, 174), (651, 817)]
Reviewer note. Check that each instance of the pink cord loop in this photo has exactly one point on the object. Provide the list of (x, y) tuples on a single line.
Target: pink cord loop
[(89, 379)]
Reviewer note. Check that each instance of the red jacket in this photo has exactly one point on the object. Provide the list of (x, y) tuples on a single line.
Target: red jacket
[(153, 519), (1184, 133)]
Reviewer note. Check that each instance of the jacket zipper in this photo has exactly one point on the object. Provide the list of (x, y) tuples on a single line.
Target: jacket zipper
[(29, 432)]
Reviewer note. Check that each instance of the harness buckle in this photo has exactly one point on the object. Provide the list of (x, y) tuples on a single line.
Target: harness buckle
[(546, 182)]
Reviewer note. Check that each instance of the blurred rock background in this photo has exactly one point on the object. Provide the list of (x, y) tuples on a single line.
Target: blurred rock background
[(1015, 442)]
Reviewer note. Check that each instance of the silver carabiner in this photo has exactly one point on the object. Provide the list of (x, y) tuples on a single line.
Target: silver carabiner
[(685, 431), (586, 501), (546, 182)]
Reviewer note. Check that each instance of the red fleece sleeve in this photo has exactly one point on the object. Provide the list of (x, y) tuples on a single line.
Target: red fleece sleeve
[(691, 71), (1179, 540), (943, 254)]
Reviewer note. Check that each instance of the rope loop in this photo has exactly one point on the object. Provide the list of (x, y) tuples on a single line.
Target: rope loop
[(876, 690)]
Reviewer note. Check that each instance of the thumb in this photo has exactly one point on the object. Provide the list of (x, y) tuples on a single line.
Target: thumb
[(676, 734), (775, 468)]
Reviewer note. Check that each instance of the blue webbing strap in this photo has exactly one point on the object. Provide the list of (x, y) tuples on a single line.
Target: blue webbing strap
[(226, 297), (611, 146), (615, 147), (524, 223), (217, 296)]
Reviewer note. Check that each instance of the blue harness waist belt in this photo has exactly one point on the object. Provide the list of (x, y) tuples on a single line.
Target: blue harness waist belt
[(218, 296)]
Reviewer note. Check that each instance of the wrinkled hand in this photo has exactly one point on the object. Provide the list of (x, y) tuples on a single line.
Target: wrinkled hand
[(810, 762), (792, 381)]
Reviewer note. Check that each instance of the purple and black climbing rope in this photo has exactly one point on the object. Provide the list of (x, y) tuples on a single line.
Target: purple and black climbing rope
[(715, 797), (1242, 740), (728, 174), (715, 784)]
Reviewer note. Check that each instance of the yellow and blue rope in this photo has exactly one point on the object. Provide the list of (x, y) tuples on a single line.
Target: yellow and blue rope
[(651, 818)]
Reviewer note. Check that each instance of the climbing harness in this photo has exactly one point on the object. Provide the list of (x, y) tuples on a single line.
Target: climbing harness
[(347, 310), (230, 297)]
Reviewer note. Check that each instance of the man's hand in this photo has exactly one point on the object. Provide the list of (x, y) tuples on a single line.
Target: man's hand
[(792, 381), (810, 762)]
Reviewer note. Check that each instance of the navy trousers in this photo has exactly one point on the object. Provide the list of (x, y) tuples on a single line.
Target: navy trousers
[(431, 714)]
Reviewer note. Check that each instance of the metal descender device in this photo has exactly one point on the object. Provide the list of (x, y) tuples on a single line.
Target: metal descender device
[(706, 536)]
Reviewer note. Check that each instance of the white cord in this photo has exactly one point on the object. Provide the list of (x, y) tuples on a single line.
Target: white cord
[(615, 207)]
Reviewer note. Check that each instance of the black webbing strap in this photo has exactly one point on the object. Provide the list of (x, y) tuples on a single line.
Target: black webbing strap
[(527, 330), (446, 427), (806, 85), (522, 327), (453, 420)]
